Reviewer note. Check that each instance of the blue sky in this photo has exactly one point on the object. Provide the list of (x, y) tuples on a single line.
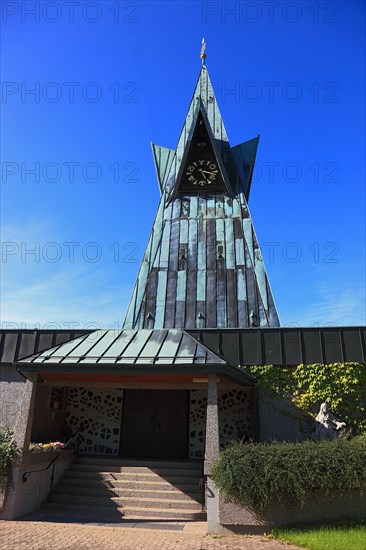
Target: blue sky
[(108, 77)]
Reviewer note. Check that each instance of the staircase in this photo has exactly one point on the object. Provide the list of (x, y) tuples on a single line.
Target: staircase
[(107, 489)]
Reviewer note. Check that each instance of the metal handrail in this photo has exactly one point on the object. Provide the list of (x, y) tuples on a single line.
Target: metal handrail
[(72, 436), (53, 462)]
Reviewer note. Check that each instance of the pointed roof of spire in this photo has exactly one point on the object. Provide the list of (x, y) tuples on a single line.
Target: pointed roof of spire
[(204, 100), (203, 266)]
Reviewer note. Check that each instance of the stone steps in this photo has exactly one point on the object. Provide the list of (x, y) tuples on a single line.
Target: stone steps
[(132, 513), (105, 514), (123, 492), (128, 484), (132, 476), (151, 464), (106, 468), (119, 502), (111, 489)]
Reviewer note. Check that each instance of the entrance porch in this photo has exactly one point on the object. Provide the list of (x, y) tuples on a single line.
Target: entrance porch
[(137, 394), (147, 395), (150, 422)]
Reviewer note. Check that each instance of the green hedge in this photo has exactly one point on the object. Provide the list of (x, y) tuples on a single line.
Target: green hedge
[(256, 474)]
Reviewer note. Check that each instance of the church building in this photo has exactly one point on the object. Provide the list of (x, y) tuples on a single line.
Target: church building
[(146, 408)]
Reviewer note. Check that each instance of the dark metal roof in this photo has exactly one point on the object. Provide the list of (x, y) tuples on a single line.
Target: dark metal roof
[(203, 266), (15, 344), (129, 347), (286, 346), (152, 352), (281, 346)]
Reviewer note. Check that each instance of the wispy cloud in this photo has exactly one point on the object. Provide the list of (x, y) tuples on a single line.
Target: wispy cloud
[(39, 293), (332, 305), (64, 300)]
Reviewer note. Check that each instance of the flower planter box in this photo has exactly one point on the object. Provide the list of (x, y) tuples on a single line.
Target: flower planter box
[(42, 458), (27, 496)]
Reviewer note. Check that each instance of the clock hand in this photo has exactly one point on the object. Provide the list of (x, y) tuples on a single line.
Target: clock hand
[(206, 172), (202, 172)]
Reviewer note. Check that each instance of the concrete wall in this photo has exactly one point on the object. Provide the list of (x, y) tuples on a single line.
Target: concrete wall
[(27, 497), (17, 398), (282, 421), (12, 387), (318, 508)]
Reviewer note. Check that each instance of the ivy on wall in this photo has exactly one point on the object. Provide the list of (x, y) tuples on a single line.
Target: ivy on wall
[(341, 385)]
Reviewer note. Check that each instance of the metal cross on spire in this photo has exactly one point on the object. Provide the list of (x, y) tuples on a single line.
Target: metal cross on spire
[(203, 55)]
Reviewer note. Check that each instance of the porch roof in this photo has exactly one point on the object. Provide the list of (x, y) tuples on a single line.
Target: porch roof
[(143, 351)]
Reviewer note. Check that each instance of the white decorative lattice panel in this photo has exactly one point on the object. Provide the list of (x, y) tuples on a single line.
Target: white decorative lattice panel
[(235, 410), (98, 412), (197, 423)]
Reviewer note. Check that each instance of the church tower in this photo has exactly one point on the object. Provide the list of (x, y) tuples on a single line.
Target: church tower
[(203, 267)]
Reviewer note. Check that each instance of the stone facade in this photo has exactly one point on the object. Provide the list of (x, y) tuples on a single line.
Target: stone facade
[(16, 403), (12, 388), (318, 508), (280, 420)]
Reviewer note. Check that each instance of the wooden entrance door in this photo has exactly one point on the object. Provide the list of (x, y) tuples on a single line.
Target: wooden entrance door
[(155, 424)]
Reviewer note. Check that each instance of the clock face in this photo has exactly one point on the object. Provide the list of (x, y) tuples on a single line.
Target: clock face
[(202, 172)]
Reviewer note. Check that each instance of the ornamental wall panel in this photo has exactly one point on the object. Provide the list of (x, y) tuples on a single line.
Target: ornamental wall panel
[(98, 414), (235, 418)]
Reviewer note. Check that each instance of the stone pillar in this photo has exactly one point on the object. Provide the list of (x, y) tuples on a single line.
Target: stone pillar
[(211, 453), (23, 426), (22, 434)]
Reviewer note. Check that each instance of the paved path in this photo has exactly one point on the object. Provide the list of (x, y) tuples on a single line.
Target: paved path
[(33, 535)]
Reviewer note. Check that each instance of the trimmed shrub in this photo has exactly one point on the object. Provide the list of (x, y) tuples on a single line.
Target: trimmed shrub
[(257, 474)]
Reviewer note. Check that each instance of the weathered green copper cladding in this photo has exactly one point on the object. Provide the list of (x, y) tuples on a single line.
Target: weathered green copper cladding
[(163, 158), (244, 157), (203, 267)]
